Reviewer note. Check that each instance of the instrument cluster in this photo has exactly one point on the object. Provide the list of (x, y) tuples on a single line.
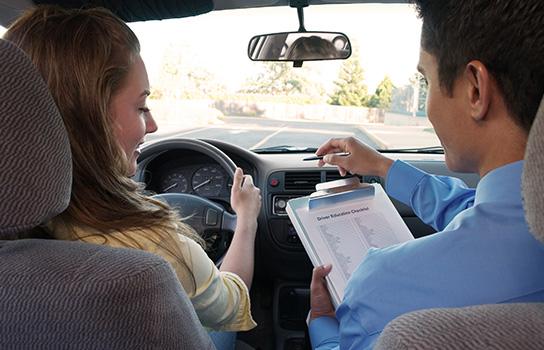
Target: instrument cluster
[(185, 171), (208, 180)]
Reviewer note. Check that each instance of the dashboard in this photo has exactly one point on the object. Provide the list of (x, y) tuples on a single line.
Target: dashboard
[(280, 178)]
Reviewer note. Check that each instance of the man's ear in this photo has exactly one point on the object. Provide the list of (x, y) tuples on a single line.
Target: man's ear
[(478, 89)]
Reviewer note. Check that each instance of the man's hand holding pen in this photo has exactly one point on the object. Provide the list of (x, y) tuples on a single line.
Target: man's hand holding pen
[(352, 155)]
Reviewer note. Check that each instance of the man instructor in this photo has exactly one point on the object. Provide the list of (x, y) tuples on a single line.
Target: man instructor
[(483, 61)]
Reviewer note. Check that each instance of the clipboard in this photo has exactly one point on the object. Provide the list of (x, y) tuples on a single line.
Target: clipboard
[(337, 191), (340, 222)]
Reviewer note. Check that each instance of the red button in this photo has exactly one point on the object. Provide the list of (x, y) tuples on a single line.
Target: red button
[(274, 182)]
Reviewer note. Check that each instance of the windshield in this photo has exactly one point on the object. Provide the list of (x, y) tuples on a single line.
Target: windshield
[(205, 86)]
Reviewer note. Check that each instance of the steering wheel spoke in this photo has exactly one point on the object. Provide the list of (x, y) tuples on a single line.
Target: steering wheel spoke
[(229, 221)]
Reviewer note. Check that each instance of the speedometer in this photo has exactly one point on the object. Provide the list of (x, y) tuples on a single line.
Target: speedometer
[(174, 183), (209, 181)]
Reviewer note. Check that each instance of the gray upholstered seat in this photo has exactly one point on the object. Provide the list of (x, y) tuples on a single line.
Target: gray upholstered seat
[(59, 294), (506, 326)]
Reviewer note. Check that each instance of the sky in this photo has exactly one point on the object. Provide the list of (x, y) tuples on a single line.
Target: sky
[(387, 35)]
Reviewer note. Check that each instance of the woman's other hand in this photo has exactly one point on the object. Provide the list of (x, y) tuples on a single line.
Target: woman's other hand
[(362, 159)]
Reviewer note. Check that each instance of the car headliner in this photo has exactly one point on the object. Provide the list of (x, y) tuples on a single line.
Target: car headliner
[(143, 10)]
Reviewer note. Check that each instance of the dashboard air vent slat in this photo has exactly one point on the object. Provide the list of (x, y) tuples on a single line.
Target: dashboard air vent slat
[(332, 175), (335, 175), (302, 180)]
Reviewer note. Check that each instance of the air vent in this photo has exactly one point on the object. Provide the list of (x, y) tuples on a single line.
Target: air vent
[(335, 175), (302, 180), (332, 175)]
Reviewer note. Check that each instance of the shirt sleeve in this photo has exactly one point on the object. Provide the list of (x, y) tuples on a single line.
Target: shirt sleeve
[(436, 200), (324, 333), (221, 299)]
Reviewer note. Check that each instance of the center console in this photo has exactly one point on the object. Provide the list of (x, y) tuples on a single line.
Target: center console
[(291, 307)]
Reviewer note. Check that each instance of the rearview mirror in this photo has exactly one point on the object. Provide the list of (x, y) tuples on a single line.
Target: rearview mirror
[(299, 46)]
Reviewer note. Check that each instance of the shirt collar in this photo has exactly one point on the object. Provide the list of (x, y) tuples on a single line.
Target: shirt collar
[(502, 184)]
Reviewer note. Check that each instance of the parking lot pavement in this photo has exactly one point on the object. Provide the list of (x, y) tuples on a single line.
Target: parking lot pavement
[(250, 133)]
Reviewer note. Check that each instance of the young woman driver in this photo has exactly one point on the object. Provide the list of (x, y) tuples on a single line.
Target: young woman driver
[(90, 60)]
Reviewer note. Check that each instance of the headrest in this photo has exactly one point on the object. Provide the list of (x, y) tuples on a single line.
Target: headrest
[(35, 157), (533, 179)]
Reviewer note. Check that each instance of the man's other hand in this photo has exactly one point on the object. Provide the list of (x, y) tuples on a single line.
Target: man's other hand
[(320, 299)]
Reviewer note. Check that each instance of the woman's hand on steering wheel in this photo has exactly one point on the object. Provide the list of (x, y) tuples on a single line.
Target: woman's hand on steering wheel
[(245, 199)]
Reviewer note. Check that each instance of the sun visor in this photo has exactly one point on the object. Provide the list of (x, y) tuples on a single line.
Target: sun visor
[(141, 10)]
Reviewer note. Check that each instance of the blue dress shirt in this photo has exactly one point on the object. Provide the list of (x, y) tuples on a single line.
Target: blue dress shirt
[(484, 254)]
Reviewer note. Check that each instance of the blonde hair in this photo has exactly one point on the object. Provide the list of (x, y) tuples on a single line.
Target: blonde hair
[(84, 56)]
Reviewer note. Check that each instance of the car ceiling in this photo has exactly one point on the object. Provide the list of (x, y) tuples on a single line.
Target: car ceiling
[(143, 10)]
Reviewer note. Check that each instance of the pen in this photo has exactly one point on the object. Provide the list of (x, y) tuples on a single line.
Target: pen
[(341, 154)]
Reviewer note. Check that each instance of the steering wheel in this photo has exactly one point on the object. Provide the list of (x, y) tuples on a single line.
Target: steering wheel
[(209, 219)]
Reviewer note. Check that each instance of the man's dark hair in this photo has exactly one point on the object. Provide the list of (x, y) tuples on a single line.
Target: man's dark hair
[(507, 36)]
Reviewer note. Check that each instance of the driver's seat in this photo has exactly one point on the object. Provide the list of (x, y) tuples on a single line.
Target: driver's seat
[(60, 294)]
